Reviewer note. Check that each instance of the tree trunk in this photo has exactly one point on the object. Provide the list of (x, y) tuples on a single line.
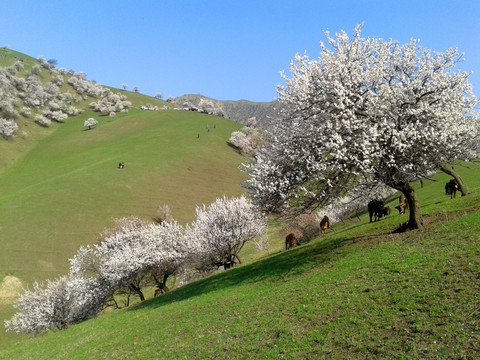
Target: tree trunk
[(236, 256), (461, 185), (415, 219), (137, 290), (163, 285)]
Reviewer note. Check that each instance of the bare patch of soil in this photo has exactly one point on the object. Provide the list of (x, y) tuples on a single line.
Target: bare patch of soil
[(9, 288)]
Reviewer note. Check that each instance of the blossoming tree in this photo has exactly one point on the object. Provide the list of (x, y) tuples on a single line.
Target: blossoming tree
[(62, 302), (137, 253), (367, 111), (222, 229)]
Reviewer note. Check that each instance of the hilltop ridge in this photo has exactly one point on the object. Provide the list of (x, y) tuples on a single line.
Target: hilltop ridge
[(240, 110)]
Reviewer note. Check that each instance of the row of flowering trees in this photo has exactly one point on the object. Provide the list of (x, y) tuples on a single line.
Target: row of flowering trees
[(107, 103), (133, 255)]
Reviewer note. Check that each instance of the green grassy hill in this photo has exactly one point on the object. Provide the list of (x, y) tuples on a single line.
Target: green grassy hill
[(60, 186), (68, 188), (361, 292)]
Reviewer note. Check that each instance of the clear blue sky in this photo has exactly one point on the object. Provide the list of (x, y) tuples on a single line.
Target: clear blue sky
[(227, 50)]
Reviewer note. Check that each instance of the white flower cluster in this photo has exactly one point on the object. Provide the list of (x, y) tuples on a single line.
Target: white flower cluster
[(67, 300), (222, 229), (367, 109), (90, 122), (34, 94), (8, 128), (246, 140), (108, 103), (130, 256)]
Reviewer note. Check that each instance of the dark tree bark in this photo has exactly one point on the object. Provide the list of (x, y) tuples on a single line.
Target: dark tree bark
[(461, 185), (162, 285), (415, 220), (137, 290)]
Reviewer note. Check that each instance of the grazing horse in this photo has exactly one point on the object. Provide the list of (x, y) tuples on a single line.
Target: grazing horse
[(290, 241), (386, 211), (451, 188), (375, 209), (324, 225), (402, 207)]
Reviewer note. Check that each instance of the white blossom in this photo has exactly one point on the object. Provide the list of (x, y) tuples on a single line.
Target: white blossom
[(222, 229), (366, 111)]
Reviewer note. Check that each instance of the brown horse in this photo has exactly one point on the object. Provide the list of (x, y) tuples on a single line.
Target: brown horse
[(290, 241), (402, 207), (324, 225)]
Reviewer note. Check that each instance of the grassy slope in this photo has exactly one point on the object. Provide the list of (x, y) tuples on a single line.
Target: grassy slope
[(9, 153), (360, 293), (66, 189)]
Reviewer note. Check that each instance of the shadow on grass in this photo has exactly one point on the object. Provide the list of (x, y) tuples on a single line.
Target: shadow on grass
[(274, 268)]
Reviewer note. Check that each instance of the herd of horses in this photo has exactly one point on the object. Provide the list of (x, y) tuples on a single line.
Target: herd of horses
[(376, 210)]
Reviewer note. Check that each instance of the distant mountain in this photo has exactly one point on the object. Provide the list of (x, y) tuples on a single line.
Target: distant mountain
[(240, 111)]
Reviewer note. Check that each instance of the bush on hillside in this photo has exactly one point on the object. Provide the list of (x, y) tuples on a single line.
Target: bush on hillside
[(110, 103), (246, 141), (90, 122), (42, 120), (65, 301), (8, 128)]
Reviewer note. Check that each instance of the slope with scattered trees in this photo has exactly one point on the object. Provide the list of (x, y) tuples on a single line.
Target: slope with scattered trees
[(362, 292), (60, 186)]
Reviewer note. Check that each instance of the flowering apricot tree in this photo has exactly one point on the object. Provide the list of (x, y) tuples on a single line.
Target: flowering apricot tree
[(60, 303), (222, 229), (368, 110)]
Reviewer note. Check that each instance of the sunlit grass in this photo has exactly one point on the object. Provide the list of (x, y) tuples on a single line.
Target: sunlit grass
[(362, 292)]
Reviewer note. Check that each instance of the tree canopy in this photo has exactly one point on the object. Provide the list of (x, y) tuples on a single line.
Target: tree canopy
[(368, 111)]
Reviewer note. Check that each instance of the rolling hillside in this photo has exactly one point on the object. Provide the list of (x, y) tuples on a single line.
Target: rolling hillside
[(60, 186), (360, 293)]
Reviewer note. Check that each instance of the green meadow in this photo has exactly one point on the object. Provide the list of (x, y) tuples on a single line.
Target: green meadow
[(362, 292), (64, 188)]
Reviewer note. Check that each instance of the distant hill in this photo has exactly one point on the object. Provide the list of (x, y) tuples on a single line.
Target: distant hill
[(239, 111)]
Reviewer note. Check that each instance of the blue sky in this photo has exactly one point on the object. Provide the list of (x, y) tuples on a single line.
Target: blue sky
[(227, 50)]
